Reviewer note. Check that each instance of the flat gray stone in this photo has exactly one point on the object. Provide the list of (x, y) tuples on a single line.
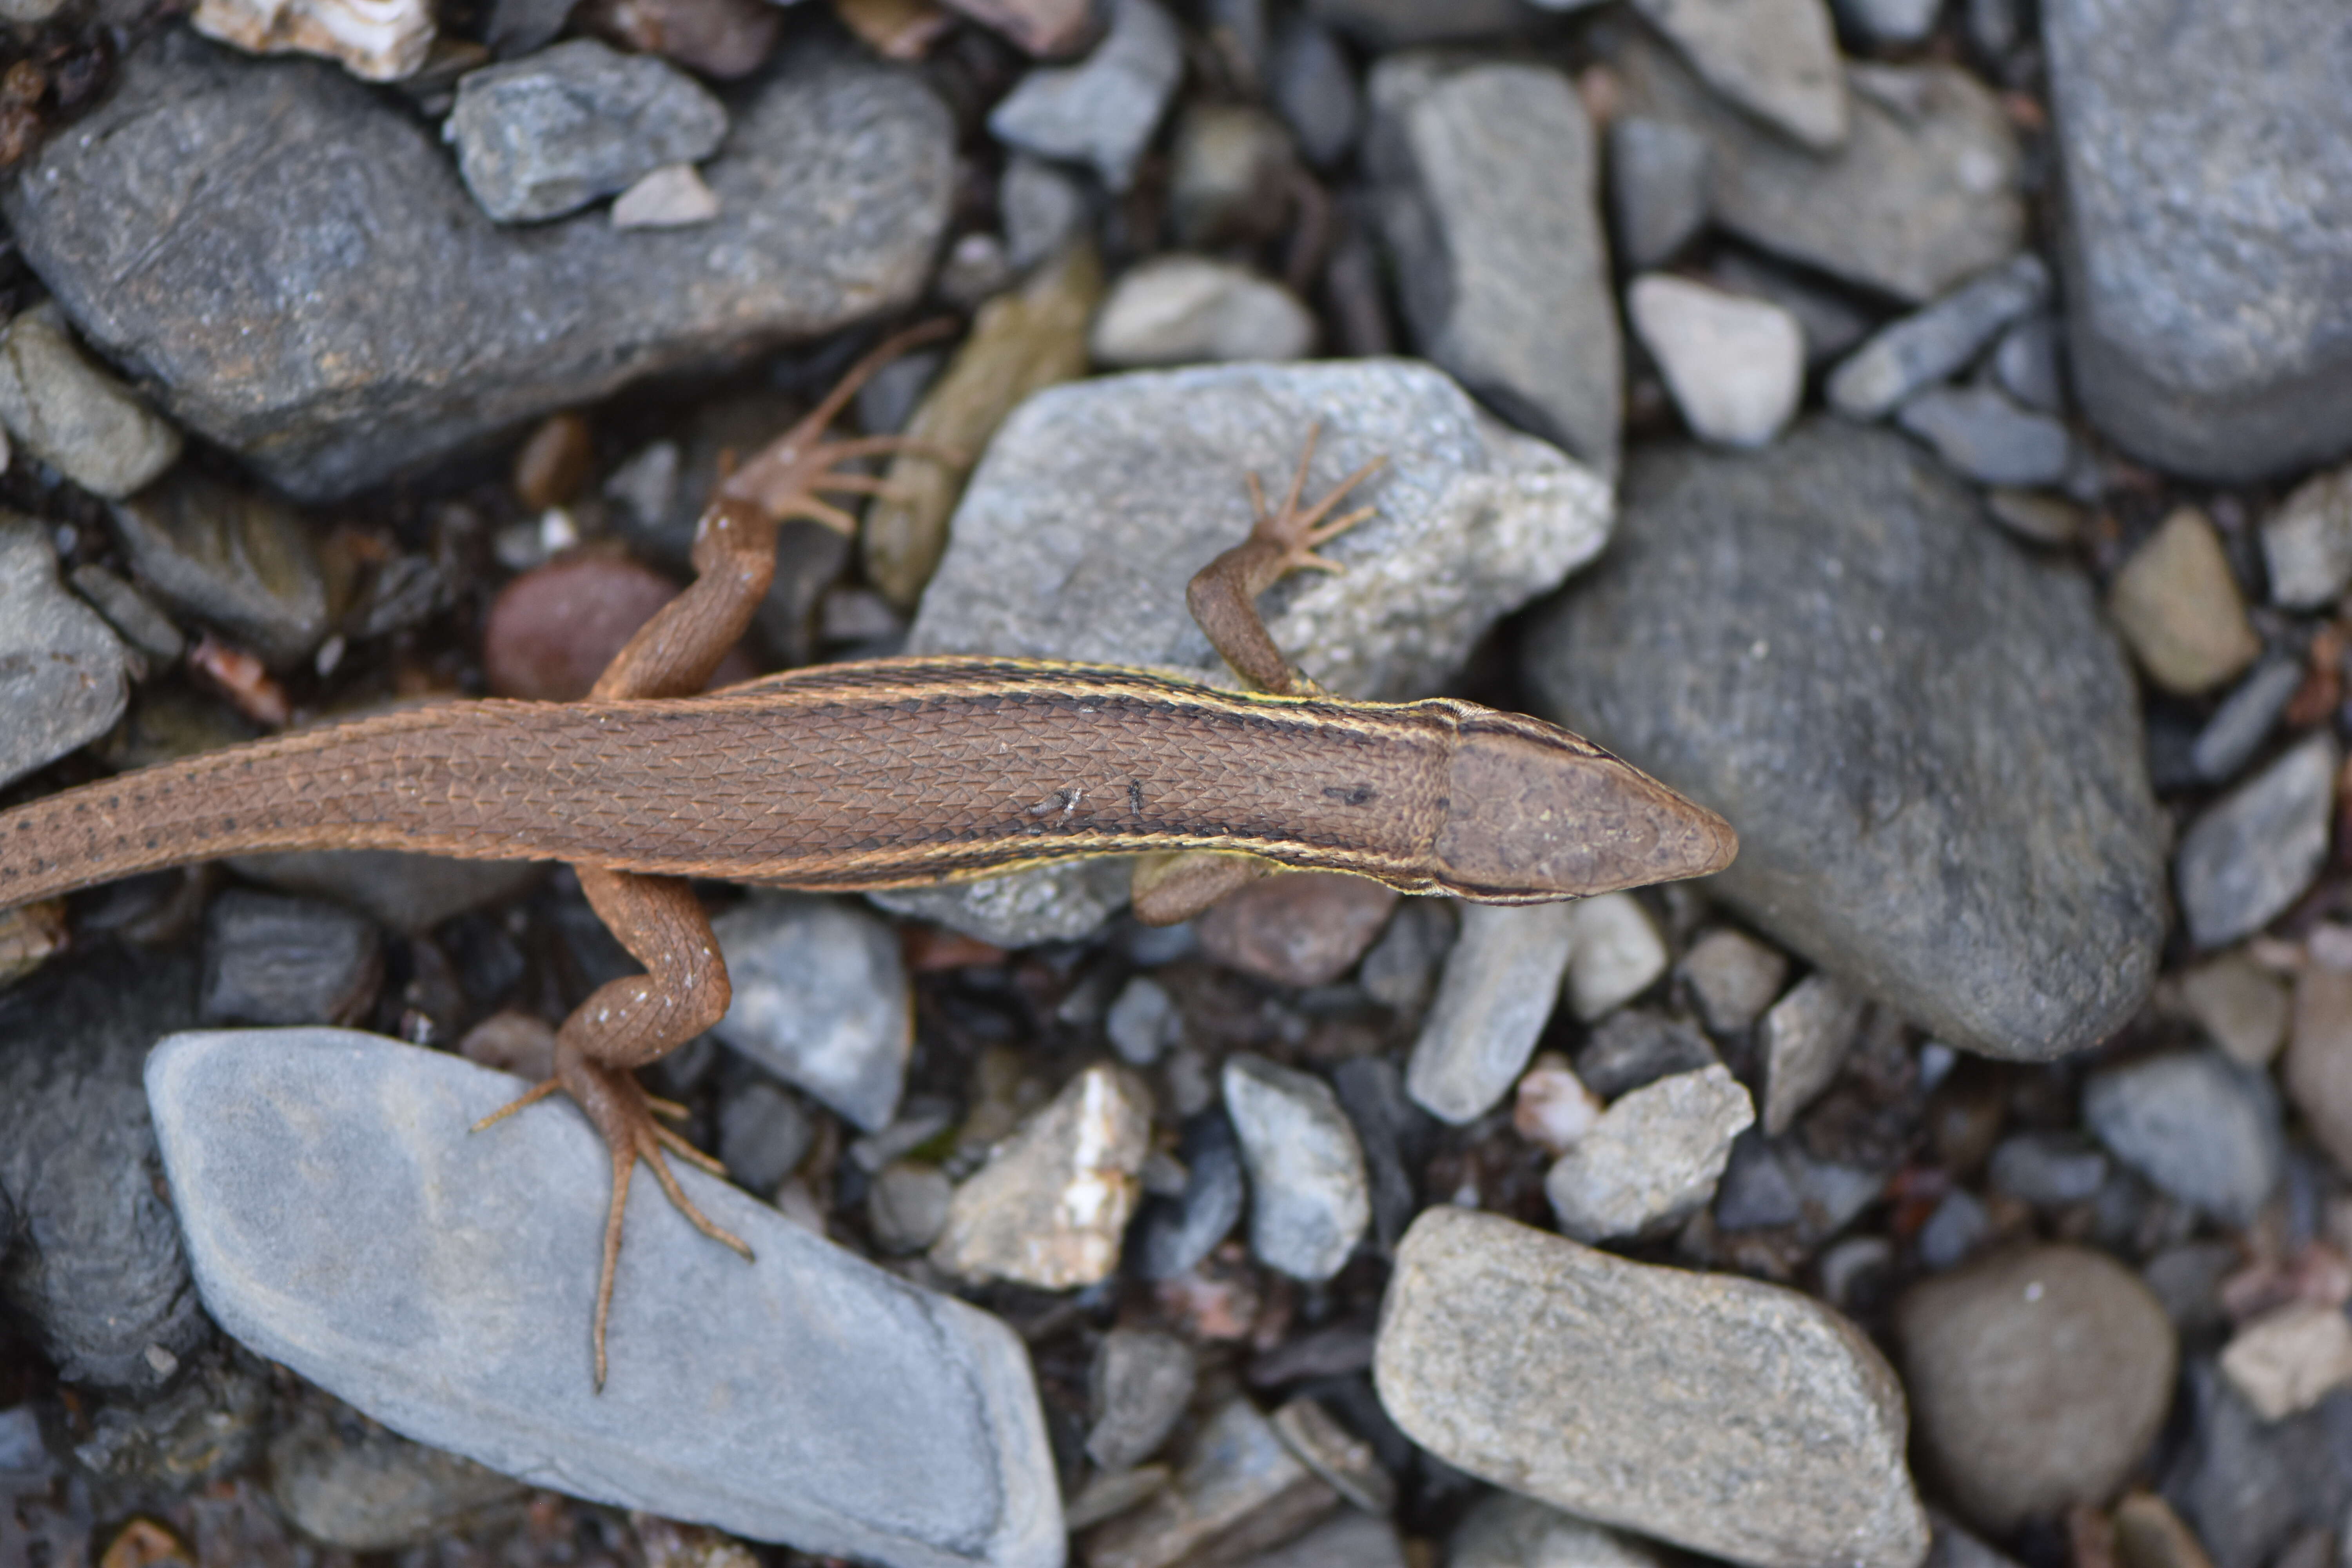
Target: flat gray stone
[(1923, 194), (1500, 256), (1652, 1159), (1499, 987), (1729, 1416), (1778, 59), (2244, 720), (820, 1000), (1103, 110), (405, 892), (1929, 344), (1237, 1487), (1508, 1532), (343, 1221), (1805, 1038), (2250, 854), (1142, 1381), (63, 677), (74, 416), (547, 135), (1982, 435), (1967, 834), (2182, 133), (235, 558), (338, 308), (2197, 1125), (1309, 1197), (1657, 188)]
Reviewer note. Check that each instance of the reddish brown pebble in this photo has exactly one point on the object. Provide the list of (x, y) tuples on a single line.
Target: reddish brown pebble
[(1305, 928), (929, 948), (723, 38), (243, 680), (554, 630), (553, 464)]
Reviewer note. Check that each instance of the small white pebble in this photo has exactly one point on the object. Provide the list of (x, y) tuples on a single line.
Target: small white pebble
[(672, 196)]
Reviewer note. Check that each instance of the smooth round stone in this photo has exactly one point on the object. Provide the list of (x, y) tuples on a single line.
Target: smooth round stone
[(1736, 365), (2037, 1379), (1176, 309), (1305, 928)]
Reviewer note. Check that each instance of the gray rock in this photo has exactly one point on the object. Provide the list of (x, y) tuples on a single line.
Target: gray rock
[(1500, 986), (1734, 976), (820, 1000), (99, 1279), (1143, 1021), (1310, 1198), (1833, 323), (2025, 363), (1735, 366), (2307, 542), (2048, 1170), (1500, 257), (2197, 1125), (63, 677), (1890, 21), (1921, 194), (329, 1190), (2249, 856), (1394, 1133), (1142, 1381), (205, 1428), (1729, 1416), (1805, 1038), (1982, 435), (1957, 1228), (273, 960), (1384, 25), (2186, 1281), (237, 560), (908, 1207), (2244, 720), (129, 612), (2037, 1378), (1052, 903), (1178, 309), (548, 133), (2178, 133), (1756, 1191), (1042, 209), (1348, 1540), (1507, 1531), (72, 416), (1652, 1160), (763, 1135), (1051, 1207), (1776, 59), (1986, 730), (1400, 971), (1638, 1046), (403, 892), (1930, 343), (1172, 1233), (1657, 188), (366, 1489), (1103, 110), (1315, 88), (1340, 1458), (1993, 26), (1237, 1487), (388, 321), (2249, 1485), (1232, 174)]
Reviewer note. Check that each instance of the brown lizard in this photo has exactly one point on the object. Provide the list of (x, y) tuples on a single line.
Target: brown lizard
[(889, 774)]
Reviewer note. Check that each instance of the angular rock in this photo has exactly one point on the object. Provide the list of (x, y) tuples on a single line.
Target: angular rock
[(1777, 60), (328, 367), (1735, 366), (2250, 854), (1734, 976), (1615, 954), (1309, 1197), (233, 559), (1982, 435), (1307, 928), (1732, 1417), (1657, 188), (272, 960), (1178, 310), (808, 1398), (2037, 1378), (2178, 608), (1500, 256), (1500, 985), (1315, 88), (672, 196), (2176, 133), (1051, 1207), (820, 1000), (1929, 344), (1805, 1038), (2197, 1125), (1507, 1531), (63, 677), (1921, 194), (2244, 721), (1103, 110), (2290, 1359), (127, 610), (1652, 1159), (375, 42), (2307, 542), (548, 133), (2318, 1070), (1986, 730), (74, 416), (1238, 1488), (2248, 1485), (1638, 1046), (1142, 1381), (2243, 1007), (1172, 1233)]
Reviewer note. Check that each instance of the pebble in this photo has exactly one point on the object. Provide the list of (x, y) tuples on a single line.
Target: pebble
[(1346, 1539), (2241, 1007), (1922, 194), (554, 630), (2037, 1376), (1929, 344), (2318, 1070), (820, 1000), (1103, 110), (2291, 1358), (2045, 519), (2250, 1485), (1501, 258), (672, 196), (401, 893), (2307, 542), (1698, 651), (1394, 1133), (834, 184), (1735, 366), (64, 679), (1400, 971), (1551, 1108), (1344, 1461), (1778, 59), (130, 612), (1833, 323), (1805, 1038), (1143, 1021), (2047, 1169), (1233, 176), (2244, 720), (2248, 857), (237, 560), (908, 1205), (1957, 1228), (1042, 209), (373, 1491), (74, 416), (730, 1399), (2177, 130), (1638, 1046), (2025, 363), (2187, 1278), (1142, 1381), (548, 133), (1178, 309), (1499, 986), (1982, 435), (1652, 1160), (763, 1135), (1173, 1234), (1236, 1482), (1729, 1416), (376, 40), (1315, 88), (1507, 1532), (725, 40), (1049, 1208), (1890, 21), (77, 1166), (2148, 1535), (1734, 977), (1307, 928), (1615, 953), (274, 960), (2178, 608), (2197, 1126), (1310, 1197), (1657, 188), (1052, 903)]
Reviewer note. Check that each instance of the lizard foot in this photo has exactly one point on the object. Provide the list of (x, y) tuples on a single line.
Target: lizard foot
[(624, 1112), (1294, 534)]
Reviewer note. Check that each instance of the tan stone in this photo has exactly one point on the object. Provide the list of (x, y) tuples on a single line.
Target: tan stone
[(2179, 608), (2288, 1360), (2241, 1007), (1051, 1207), (2318, 1066), (2148, 1535)]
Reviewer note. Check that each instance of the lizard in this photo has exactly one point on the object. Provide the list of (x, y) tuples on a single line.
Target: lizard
[(884, 774)]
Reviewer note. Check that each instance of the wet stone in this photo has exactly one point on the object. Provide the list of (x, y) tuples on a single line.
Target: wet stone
[(1103, 110), (1732, 1417), (1142, 1382), (2178, 608), (273, 960), (1500, 985), (1776, 59), (1805, 1038), (2248, 857), (2196, 1125), (925, 1446), (1640, 1047), (1309, 1197), (1237, 1487), (1306, 927), (1657, 188), (1051, 1206), (1172, 1233), (1652, 1160), (1982, 435), (1734, 976), (1930, 343), (2037, 1378), (1843, 558), (1507, 1531), (820, 1000), (1735, 366), (237, 560), (2307, 542), (74, 416), (64, 679), (328, 370), (1181, 310)]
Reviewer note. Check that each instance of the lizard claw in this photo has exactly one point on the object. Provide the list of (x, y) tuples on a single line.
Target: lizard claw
[(1295, 533)]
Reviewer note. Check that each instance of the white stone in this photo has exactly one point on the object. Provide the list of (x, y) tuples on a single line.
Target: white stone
[(1736, 365), (1652, 1159), (1615, 954), (1180, 310), (2307, 545), (1051, 1207), (376, 40), (2290, 1359), (672, 196)]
